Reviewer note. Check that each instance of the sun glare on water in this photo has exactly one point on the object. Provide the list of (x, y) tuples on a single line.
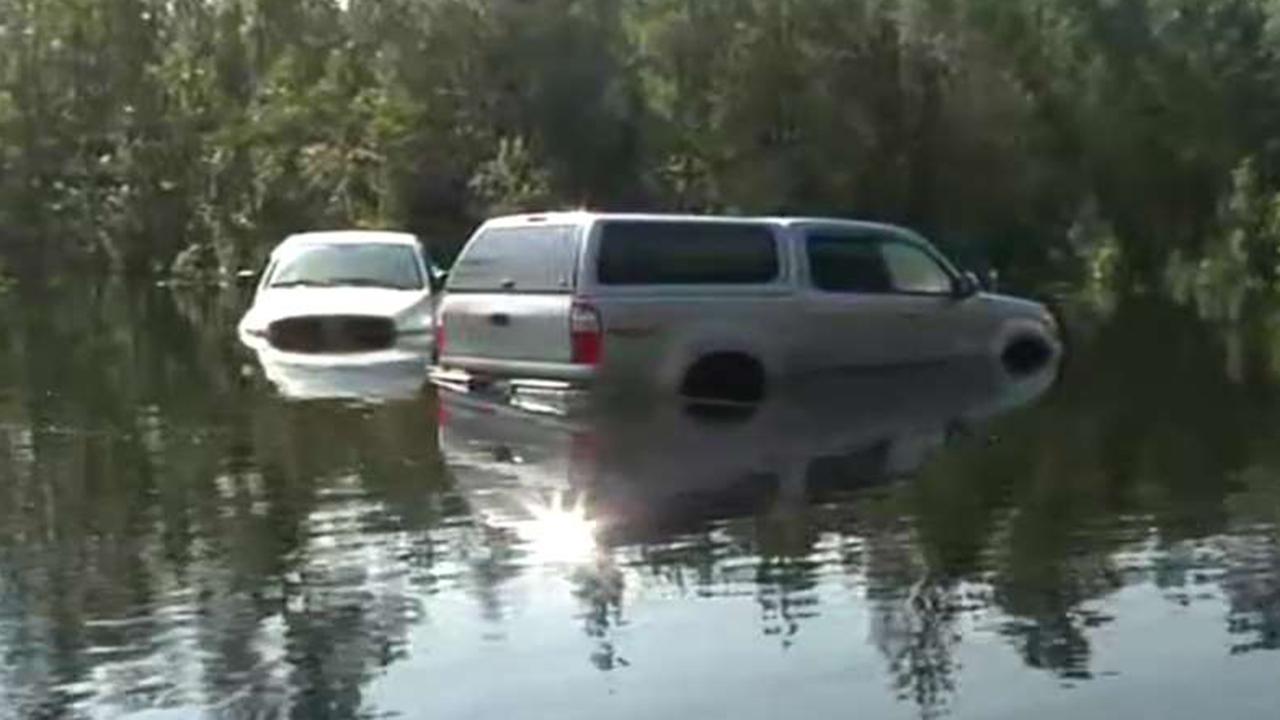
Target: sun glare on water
[(559, 532)]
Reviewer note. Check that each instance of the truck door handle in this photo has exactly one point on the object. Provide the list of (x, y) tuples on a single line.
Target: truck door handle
[(500, 319)]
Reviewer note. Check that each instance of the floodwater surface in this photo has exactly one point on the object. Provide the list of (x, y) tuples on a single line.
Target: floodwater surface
[(190, 530)]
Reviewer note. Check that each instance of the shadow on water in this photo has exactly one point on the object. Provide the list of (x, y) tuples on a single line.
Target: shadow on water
[(179, 536)]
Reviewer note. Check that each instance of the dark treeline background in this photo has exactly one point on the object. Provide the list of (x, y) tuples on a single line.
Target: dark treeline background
[(1104, 138)]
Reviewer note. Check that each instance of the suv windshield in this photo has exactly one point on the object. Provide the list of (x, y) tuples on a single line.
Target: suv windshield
[(387, 266)]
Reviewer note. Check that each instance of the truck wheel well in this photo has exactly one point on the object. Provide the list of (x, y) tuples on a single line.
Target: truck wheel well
[(725, 376), (1026, 354)]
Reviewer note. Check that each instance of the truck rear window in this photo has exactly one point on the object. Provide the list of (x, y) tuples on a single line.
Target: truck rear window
[(529, 259), (686, 253)]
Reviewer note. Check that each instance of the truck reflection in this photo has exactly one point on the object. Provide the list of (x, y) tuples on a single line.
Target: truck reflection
[(631, 474)]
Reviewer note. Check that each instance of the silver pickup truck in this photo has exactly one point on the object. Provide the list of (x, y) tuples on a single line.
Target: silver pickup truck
[(715, 307)]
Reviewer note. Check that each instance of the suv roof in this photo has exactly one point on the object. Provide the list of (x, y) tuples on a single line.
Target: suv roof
[(349, 237)]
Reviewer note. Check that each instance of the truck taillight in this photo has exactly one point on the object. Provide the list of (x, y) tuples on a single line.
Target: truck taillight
[(586, 334)]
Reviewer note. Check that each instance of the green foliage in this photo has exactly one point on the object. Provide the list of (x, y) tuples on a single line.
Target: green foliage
[(513, 181), (1250, 223), (137, 134), (1242, 255)]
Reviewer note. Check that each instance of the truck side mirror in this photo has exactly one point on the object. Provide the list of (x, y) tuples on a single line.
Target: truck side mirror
[(438, 277), (966, 286)]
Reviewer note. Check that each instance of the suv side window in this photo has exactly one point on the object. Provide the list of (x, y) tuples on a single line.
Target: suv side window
[(873, 263)]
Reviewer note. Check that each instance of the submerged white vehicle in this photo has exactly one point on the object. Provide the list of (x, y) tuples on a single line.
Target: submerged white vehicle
[(343, 298)]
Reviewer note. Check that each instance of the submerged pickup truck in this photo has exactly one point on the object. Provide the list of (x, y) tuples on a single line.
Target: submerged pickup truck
[(716, 307)]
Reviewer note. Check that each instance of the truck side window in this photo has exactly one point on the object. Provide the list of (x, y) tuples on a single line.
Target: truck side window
[(913, 271), (687, 253), (868, 263), (847, 263)]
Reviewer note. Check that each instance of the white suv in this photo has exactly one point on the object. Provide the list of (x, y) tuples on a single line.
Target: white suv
[(715, 307)]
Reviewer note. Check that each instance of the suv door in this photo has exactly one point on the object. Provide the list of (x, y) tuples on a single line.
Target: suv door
[(877, 298)]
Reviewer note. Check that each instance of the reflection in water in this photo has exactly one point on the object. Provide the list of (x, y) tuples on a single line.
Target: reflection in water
[(177, 539), (369, 377), (172, 538), (646, 471), (667, 479)]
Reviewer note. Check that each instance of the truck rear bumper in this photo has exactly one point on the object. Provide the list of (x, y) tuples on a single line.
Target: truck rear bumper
[(541, 395), (522, 370)]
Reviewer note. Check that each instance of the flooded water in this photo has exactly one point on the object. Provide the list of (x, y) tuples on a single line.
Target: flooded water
[(188, 530)]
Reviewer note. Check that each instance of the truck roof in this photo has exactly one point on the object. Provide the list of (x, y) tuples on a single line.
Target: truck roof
[(577, 217)]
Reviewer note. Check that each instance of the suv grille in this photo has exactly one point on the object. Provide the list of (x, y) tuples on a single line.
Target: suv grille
[(332, 334)]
